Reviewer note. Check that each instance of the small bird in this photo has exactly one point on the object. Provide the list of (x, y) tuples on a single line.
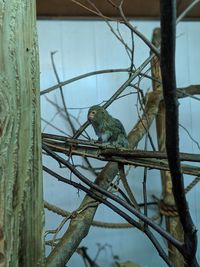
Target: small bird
[(108, 129), (111, 131)]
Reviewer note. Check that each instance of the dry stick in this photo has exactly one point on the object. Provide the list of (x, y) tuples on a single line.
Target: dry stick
[(112, 3), (181, 92), (132, 66), (82, 76), (88, 74), (145, 185), (187, 10), (190, 136), (82, 251), (118, 36), (168, 32), (142, 102), (126, 22), (99, 224), (127, 187), (61, 93), (91, 10), (138, 33), (192, 184), (53, 126)]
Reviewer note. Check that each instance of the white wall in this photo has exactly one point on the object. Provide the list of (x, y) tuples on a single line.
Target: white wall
[(85, 46)]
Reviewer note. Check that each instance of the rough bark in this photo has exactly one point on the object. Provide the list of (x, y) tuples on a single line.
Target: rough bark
[(21, 203), (173, 224)]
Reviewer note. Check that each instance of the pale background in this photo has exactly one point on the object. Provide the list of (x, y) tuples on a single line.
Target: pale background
[(85, 46)]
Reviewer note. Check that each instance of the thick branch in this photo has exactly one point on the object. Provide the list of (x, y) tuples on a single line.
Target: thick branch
[(96, 150), (142, 159), (168, 26)]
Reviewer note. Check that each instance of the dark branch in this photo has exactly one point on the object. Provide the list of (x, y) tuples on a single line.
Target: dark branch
[(168, 36)]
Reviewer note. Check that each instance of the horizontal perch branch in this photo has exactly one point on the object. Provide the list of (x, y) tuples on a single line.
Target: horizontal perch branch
[(150, 159), (111, 151)]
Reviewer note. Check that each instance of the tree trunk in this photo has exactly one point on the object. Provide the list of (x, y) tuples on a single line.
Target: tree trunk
[(173, 224), (21, 202)]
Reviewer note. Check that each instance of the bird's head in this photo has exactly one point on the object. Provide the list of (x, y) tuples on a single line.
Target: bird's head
[(96, 112)]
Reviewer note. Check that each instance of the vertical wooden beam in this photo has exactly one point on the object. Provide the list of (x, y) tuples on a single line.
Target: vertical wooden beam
[(21, 202), (173, 224)]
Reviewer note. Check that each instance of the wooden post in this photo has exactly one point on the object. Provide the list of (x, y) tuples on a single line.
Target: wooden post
[(173, 224), (21, 201)]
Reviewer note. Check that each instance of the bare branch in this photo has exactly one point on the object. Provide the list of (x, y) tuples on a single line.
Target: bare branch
[(62, 95), (138, 33), (187, 10), (168, 26), (88, 74)]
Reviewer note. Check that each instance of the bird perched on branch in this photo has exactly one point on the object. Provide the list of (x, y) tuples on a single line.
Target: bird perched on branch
[(111, 131), (108, 129)]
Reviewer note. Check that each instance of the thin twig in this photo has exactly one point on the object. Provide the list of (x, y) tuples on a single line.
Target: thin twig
[(138, 33), (187, 10), (61, 93), (82, 76), (190, 136), (95, 223), (53, 126)]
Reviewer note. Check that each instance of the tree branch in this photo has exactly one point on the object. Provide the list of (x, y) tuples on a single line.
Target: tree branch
[(168, 32)]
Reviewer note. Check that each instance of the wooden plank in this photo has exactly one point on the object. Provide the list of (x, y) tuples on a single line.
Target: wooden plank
[(138, 9), (21, 194)]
